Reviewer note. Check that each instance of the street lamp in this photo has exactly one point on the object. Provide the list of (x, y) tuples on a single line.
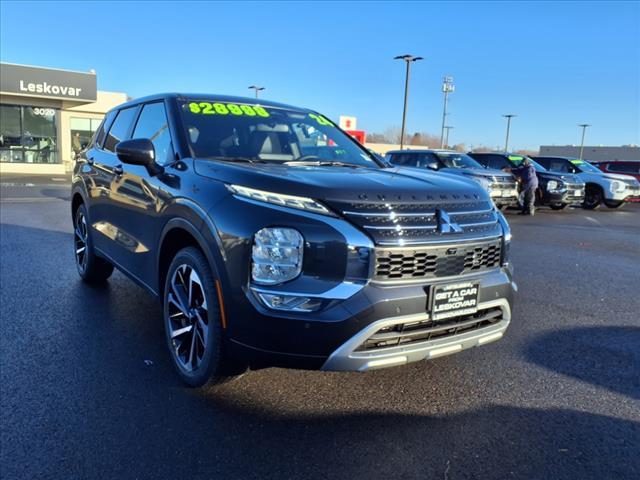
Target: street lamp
[(446, 141), (408, 59), (508, 116), (584, 129), (257, 89), (447, 88)]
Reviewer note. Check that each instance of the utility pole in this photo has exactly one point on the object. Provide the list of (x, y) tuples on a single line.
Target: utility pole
[(447, 88), (446, 141), (508, 116), (257, 89), (584, 129), (408, 59)]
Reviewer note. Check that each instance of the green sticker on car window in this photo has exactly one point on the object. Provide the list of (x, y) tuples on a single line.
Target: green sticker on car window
[(321, 120), (219, 108), (577, 162), (516, 158)]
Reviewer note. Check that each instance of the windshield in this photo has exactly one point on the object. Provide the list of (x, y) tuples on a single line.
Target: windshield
[(583, 166), (247, 132), (458, 160), (518, 159)]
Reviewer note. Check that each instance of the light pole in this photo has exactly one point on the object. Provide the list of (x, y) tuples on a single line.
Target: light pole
[(584, 129), (446, 141), (408, 59), (447, 88), (257, 89), (508, 116)]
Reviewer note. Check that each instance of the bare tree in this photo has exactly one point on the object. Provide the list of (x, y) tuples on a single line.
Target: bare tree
[(526, 152), (377, 138)]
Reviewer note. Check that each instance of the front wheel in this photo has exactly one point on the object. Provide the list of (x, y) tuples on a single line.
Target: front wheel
[(91, 268), (592, 198), (192, 319), (613, 203)]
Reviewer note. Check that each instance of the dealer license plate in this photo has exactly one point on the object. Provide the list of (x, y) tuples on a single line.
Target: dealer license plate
[(577, 193), (454, 300)]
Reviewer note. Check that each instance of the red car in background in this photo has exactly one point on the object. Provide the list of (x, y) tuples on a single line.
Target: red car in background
[(626, 167)]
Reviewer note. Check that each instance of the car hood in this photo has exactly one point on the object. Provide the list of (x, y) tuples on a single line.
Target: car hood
[(345, 183), (488, 173), (565, 177), (610, 176)]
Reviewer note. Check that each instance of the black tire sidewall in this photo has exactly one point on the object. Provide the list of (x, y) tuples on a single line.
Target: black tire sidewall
[(212, 359), (597, 195)]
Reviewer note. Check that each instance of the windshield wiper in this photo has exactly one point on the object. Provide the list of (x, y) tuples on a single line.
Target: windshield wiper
[(238, 159), (321, 163)]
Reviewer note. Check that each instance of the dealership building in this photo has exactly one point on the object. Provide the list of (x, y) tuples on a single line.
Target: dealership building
[(46, 115)]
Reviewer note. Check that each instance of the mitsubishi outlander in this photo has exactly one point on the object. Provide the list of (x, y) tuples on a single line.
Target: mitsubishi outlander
[(272, 238)]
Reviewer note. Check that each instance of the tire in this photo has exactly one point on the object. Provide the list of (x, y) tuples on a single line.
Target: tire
[(91, 268), (593, 198), (613, 203), (192, 322), (560, 206)]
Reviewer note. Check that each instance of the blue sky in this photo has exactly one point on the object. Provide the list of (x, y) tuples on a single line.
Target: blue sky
[(555, 64)]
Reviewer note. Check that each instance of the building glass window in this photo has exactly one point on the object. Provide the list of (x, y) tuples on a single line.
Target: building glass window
[(82, 130), (28, 134)]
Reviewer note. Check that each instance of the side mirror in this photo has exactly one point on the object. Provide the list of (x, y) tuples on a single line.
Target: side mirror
[(139, 151)]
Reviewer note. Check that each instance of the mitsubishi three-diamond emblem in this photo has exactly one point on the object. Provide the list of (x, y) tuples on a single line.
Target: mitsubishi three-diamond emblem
[(445, 224)]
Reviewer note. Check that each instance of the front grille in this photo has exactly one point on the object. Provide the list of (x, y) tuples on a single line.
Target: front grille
[(411, 222), (426, 330), (503, 183), (434, 262)]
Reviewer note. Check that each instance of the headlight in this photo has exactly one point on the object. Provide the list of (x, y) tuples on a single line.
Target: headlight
[(506, 239), (617, 187), (554, 185), (301, 203), (276, 255)]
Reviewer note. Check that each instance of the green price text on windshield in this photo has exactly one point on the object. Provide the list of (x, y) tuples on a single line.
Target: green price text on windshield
[(208, 108), (321, 120), (577, 162)]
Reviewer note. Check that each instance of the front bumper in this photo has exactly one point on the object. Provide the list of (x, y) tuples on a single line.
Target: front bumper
[(572, 196), (328, 339), (347, 357)]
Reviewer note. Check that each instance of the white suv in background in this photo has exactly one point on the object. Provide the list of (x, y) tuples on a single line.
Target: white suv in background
[(611, 188)]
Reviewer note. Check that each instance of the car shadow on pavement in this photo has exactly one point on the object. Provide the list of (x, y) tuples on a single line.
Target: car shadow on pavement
[(493, 442), (608, 357)]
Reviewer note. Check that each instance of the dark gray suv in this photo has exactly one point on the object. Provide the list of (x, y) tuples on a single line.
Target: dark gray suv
[(274, 239)]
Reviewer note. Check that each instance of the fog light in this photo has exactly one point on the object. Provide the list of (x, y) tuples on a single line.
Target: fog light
[(289, 302)]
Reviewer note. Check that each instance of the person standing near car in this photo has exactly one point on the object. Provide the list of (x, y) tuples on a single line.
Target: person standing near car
[(526, 173)]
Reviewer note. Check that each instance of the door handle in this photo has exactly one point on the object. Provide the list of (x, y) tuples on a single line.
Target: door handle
[(117, 170)]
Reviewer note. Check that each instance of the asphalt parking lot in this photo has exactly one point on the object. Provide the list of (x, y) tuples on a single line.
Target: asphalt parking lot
[(88, 390)]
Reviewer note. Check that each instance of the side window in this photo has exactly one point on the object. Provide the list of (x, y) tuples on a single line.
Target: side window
[(98, 138), (623, 168), (558, 166), (120, 128), (428, 160), (152, 124), (496, 161), (404, 159), (481, 159)]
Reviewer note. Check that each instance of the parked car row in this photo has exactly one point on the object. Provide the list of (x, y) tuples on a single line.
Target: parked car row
[(562, 181)]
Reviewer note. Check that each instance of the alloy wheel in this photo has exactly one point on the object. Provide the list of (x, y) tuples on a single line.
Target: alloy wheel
[(188, 317), (80, 241)]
